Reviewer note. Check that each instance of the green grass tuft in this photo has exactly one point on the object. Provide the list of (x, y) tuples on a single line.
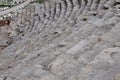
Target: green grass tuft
[(40, 1)]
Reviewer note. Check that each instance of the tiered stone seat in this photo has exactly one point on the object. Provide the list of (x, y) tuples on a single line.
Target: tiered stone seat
[(66, 40)]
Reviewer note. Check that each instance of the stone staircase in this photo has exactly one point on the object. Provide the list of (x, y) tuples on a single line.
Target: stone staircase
[(64, 40)]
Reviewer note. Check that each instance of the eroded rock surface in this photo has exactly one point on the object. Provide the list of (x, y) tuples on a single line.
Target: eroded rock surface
[(63, 40)]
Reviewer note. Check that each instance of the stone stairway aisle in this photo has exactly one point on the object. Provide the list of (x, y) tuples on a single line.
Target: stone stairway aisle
[(65, 40)]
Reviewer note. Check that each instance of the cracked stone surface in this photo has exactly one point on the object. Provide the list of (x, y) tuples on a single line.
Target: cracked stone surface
[(62, 40)]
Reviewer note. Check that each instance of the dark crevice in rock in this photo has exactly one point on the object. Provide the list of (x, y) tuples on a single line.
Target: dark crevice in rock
[(5, 78), (61, 45)]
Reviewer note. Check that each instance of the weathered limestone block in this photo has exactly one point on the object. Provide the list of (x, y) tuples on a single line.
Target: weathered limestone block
[(102, 67), (118, 10), (88, 5), (42, 10), (101, 4), (75, 4), (112, 35), (83, 45), (117, 44), (117, 77), (109, 14), (57, 11), (47, 9), (5, 39), (94, 5), (63, 66), (69, 3), (83, 4), (69, 8), (63, 5), (75, 9), (52, 6), (110, 3)]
